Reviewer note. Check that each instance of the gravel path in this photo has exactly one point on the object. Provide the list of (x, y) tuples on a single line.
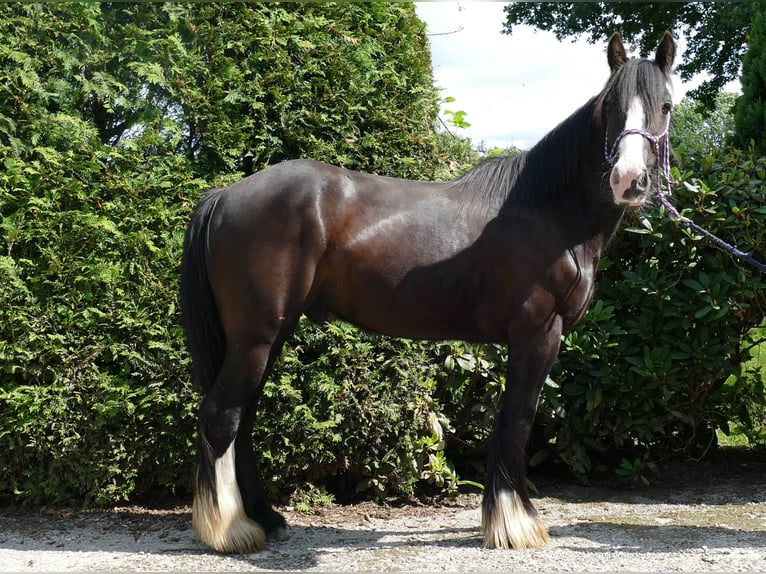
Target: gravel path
[(711, 527)]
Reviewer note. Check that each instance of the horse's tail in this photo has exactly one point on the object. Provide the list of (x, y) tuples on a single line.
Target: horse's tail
[(205, 337)]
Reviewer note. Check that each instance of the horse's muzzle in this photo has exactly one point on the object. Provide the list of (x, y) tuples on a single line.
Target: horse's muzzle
[(636, 194), (630, 187)]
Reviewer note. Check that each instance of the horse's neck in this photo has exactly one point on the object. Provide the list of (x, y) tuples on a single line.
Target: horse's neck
[(564, 169), (568, 169)]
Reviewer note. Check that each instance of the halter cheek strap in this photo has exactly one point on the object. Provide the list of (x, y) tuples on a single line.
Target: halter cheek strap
[(663, 160)]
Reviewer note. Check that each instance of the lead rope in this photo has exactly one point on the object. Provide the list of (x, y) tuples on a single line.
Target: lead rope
[(663, 165)]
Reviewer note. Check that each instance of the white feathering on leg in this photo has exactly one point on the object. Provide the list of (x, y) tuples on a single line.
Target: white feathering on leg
[(509, 525), (223, 524)]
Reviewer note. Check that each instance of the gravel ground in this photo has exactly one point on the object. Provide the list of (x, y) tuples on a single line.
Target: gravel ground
[(717, 524)]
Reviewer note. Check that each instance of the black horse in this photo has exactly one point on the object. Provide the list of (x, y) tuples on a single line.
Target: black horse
[(506, 253)]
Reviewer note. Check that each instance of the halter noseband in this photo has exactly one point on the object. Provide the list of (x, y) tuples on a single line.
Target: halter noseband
[(663, 162)]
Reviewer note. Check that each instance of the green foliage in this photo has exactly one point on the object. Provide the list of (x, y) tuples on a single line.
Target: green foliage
[(93, 389), (114, 118), (471, 391), (458, 149), (750, 114), (696, 133), (455, 118), (354, 411), (716, 32), (632, 471), (233, 87), (94, 402), (251, 85), (663, 358)]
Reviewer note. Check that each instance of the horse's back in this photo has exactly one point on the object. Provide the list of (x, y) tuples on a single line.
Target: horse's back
[(307, 201), (291, 187), (381, 252), (282, 187)]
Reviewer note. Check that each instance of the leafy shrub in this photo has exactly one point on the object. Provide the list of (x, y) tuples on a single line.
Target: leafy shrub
[(93, 389), (662, 360), (105, 152), (749, 117), (354, 410)]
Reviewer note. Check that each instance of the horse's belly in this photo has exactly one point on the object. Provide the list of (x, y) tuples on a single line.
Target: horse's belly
[(442, 309)]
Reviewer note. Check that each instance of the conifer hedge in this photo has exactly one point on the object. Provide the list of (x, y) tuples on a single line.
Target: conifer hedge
[(115, 117)]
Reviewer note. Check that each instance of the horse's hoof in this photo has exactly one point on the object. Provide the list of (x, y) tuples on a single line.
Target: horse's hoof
[(509, 525), (279, 534), (224, 529)]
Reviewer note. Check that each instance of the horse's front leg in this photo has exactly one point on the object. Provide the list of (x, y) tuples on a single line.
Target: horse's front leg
[(509, 520)]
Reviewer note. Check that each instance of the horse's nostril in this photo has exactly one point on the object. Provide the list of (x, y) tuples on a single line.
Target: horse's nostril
[(637, 189), (641, 183)]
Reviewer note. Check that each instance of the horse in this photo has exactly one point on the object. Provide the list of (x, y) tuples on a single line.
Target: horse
[(506, 253)]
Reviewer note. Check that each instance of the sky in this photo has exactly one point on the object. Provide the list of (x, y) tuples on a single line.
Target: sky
[(513, 89)]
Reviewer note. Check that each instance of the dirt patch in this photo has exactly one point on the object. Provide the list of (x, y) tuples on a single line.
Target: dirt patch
[(711, 524)]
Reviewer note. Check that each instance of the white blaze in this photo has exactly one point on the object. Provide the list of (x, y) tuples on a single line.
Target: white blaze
[(630, 155)]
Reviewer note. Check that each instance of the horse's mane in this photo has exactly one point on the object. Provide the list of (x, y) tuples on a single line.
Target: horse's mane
[(548, 175), (536, 177)]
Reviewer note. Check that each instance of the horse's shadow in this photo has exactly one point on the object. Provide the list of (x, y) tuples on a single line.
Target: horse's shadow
[(169, 534), (643, 538), (306, 545)]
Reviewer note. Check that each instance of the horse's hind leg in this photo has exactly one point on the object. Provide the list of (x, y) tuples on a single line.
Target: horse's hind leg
[(509, 520), (220, 516), (248, 477)]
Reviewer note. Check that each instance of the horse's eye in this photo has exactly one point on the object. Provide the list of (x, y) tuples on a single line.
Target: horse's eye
[(666, 108)]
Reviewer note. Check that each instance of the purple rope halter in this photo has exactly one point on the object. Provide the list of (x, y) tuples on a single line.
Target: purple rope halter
[(663, 164)]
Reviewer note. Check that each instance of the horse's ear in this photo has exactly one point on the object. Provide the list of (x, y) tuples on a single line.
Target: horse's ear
[(615, 52), (666, 53)]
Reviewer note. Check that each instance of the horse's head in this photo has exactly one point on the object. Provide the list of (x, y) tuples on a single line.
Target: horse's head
[(635, 108)]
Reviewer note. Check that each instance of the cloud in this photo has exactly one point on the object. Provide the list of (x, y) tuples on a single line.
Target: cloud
[(513, 89)]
